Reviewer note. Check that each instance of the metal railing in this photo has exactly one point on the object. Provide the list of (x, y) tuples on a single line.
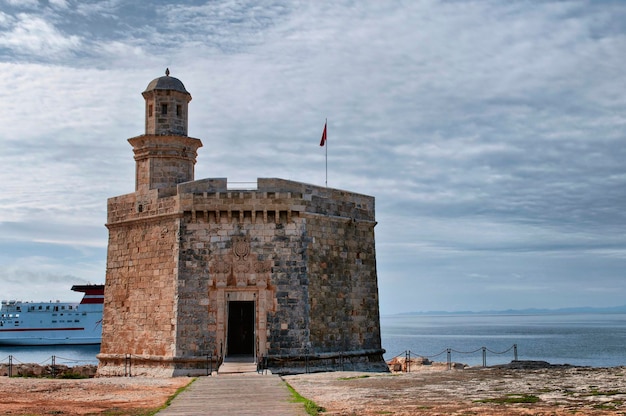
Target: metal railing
[(128, 362), (448, 351)]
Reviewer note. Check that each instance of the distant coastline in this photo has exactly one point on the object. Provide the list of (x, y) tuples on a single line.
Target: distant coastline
[(528, 311)]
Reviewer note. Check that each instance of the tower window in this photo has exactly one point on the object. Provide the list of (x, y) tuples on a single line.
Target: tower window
[(150, 110), (163, 109), (179, 110)]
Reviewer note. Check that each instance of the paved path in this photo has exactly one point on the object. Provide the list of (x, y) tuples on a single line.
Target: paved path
[(235, 394)]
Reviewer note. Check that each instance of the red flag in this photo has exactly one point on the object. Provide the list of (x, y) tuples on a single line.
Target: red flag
[(323, 141)]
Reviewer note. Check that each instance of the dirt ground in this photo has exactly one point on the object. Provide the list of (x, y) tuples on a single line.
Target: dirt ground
[(428, 390), (111, 396)]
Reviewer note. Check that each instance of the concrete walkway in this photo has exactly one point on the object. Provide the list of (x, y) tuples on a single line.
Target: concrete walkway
[(236, 394)]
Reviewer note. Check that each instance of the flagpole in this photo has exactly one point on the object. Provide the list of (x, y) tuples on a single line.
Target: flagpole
[(326, 127), (324, 143)]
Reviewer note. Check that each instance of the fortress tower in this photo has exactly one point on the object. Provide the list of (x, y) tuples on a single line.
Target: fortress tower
[(197, 272), (165, 156)]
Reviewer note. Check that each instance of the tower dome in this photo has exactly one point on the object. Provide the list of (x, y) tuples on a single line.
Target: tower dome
[(166, 83), (166, 106)]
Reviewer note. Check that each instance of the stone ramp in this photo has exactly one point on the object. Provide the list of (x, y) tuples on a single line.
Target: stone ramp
[(236, 394)]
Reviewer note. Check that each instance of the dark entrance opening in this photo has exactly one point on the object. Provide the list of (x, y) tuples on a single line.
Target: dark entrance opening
[(240, 328)]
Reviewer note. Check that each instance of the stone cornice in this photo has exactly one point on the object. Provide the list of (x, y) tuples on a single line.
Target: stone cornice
[(152, 218), (337, 218)]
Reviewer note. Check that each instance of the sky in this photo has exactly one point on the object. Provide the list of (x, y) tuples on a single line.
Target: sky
[(491, 133)]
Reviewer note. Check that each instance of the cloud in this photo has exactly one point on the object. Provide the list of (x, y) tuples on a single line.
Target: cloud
[(22, 3), (32, 35), (48, 281), (5, 20), (60, 4)]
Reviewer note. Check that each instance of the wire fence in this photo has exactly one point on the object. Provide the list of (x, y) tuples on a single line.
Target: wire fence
[(449, 351)]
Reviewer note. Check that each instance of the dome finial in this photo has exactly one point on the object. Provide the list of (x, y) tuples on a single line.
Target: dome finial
[(167, 72)]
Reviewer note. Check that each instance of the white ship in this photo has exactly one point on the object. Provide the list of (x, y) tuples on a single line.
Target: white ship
[(54, 323)]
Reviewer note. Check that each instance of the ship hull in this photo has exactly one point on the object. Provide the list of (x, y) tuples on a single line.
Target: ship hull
[(40, 340), (58, 323), (41, 336)]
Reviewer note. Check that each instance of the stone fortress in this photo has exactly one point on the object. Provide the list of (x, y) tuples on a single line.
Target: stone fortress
[(284, 273)]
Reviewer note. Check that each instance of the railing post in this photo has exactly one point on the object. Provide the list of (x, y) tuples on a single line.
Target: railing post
[(10, 366), (127, 364), (515, 352), (306, 360), (256, 349), (449, 351), (484, 357), (53, 366), (408, 361)]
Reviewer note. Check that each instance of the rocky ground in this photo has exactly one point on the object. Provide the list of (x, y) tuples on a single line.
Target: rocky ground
[(434, 390), (427, 390)]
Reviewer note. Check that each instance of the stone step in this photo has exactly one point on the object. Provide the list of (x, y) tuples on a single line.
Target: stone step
[(237, 367), (236, 364)]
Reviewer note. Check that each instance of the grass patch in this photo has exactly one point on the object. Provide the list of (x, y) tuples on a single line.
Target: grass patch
[(604, 393), (310, 406), (511, 399), (167, 403), (354, 378), (605, 406)]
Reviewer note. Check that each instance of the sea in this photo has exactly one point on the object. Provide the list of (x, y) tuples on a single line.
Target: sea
[(591, 339)]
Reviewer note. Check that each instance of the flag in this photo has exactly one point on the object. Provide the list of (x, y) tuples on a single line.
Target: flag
[(323, 141)]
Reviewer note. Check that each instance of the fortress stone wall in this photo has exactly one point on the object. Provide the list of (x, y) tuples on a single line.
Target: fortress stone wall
[(197, 271)]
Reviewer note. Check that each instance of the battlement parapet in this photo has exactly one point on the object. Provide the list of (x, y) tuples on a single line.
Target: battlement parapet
[(274, 200)]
